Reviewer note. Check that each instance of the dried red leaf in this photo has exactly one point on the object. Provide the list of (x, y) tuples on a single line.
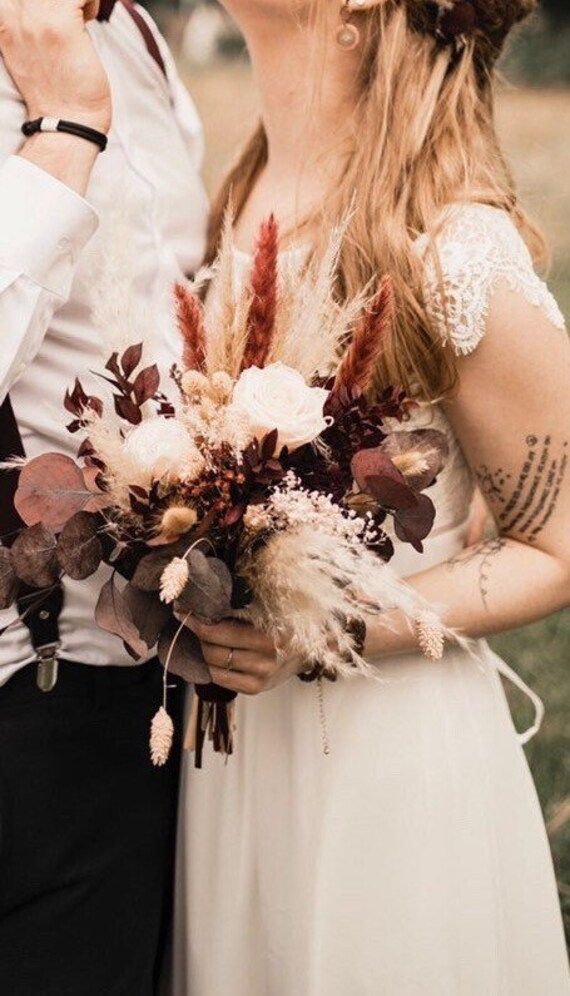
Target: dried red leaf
[(263, 308), (421, 455), (127, 409), (131, 358), (376, 475), (412, 525), (146, 384)]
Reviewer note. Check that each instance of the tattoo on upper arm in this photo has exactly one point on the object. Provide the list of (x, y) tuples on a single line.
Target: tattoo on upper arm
[(482, 554), (528, 501)]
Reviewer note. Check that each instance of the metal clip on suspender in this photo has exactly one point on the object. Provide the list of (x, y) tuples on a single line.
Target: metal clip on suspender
[(40, 612)]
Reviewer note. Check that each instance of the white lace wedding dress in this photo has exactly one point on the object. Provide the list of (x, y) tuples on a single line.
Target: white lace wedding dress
[(412, 859)]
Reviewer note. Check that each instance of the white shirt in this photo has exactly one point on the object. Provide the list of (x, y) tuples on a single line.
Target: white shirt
[(141, 224)]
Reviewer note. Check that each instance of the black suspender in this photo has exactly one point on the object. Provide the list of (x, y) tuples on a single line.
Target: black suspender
[(39, 611)]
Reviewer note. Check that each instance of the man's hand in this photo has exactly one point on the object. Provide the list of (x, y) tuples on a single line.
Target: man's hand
[(53, 62), (241, 658)]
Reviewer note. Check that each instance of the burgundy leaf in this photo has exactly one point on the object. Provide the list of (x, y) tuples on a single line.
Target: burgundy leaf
[(112, 613), (127, 409), (415, 524), (269, 444), (131, 358), (9, 583), (146, 384), (375, 474), (79, 550), (33, 557)]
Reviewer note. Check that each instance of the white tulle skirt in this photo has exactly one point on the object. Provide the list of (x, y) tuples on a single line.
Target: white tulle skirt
[(412, 859)]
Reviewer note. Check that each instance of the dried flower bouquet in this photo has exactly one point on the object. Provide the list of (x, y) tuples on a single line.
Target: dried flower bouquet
[(260, 488)]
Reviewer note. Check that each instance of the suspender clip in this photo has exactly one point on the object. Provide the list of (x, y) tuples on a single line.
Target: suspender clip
[(48, 666)]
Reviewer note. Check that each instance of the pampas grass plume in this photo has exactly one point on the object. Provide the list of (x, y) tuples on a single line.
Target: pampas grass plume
[(263, 307), (189, 314)]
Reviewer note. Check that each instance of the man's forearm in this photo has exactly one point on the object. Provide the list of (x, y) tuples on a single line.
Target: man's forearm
[(66, 157)]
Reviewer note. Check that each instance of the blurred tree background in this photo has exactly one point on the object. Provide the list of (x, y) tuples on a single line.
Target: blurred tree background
[(534, 121)]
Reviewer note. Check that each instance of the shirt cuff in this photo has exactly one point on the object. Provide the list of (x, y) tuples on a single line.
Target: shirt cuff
[(44, 225)]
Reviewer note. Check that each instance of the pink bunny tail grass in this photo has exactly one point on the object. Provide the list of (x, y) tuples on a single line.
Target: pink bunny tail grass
[(263, 308), (189, 316), (360, 359), (161, 738)]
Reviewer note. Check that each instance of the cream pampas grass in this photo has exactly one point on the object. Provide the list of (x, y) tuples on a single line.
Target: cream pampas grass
[(307, 583), (430, 636), (161, 738)]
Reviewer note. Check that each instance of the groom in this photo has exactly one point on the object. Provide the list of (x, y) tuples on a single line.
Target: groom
[(86, 823)]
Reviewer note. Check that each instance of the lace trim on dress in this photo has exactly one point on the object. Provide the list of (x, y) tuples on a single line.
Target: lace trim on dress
[(478, 249)]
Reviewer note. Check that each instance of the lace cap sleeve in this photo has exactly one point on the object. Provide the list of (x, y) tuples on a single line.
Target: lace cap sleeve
[(478, 248)]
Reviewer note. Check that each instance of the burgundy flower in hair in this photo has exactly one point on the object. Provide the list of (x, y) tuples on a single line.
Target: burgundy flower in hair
[(457, 20)]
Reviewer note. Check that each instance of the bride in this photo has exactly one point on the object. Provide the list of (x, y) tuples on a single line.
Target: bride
[(411, 857)]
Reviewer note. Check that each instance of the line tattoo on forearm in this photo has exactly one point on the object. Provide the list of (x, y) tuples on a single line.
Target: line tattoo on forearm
[(483, 555), (528, 502)]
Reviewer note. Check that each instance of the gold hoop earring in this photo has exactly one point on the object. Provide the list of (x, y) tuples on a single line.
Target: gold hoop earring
[(347, 36)]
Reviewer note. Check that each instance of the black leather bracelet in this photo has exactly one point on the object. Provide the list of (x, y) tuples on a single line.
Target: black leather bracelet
[(51, 125)]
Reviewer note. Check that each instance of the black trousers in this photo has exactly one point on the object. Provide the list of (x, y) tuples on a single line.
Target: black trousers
[(87, 829)]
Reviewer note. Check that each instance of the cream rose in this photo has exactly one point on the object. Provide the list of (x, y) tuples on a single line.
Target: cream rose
[(277, 397), (161, 447)]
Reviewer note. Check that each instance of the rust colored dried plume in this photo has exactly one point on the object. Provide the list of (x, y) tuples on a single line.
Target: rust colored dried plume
[(191, 326), (262, 312), (359, 362)]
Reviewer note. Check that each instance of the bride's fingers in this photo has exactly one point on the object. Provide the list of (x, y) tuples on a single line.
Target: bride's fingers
[(240, 661), (232, 634), (243, 684)]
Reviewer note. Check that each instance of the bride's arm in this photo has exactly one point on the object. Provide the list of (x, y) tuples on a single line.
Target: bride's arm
[(512, 417)]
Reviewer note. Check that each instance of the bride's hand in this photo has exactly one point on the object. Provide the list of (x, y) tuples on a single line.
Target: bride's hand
[(241, 658)]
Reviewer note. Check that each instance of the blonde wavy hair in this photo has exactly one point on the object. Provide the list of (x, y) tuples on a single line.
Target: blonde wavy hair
[(423, 137)]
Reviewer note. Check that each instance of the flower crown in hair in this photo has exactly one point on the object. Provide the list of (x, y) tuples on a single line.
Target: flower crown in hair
[(456, 20)]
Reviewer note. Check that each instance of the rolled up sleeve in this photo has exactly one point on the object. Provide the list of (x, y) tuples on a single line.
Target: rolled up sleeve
[(44, 227)]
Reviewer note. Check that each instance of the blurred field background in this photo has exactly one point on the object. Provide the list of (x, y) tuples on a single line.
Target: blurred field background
[(534, 120)]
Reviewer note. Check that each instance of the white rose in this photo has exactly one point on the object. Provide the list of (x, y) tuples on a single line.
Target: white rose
[(161, 447), (277, 397)]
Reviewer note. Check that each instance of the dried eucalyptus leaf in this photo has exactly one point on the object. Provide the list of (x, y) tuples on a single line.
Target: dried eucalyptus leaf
[(149, 570), (51, 489), (112, 613), (9, 583), (186, 659), (33, 557), (149, 614), (208, 593), (79, 549)]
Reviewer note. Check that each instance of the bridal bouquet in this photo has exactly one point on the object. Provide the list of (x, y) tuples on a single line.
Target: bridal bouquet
[(260, 488)]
